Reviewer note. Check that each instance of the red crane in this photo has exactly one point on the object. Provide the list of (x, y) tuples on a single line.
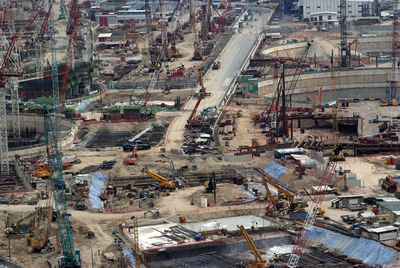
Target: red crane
[(45, 21), (72, 31), (191, 122), (6, 60), (314, 208)]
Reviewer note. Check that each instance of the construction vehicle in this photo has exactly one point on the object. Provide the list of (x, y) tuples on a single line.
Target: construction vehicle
[(216, 65), (41, 171), (192, 122), (338, 179), (15, 229), (321, 211), (71, 257), (285, 194), (273, 200), (163, 182), (39, 239), (259, 261), (131, 159), (211, 185), (155, 213), (337, 154), (389, 184)]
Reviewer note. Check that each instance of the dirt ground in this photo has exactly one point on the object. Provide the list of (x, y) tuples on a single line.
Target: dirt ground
[(113, 97), (226, 193)]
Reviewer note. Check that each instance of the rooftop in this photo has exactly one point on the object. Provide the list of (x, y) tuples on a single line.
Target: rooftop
[(383, 229), (391, 206), (105, 35)]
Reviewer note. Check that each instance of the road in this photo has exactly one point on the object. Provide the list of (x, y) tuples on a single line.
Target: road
[(218, 81)]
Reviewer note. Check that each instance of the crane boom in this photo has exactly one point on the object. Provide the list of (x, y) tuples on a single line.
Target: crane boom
[(16, 228), (270, 196), (54, 155), (202, 94), (259, 262), (313, 211), (164, 182)]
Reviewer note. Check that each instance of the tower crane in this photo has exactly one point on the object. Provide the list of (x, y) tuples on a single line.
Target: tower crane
[(259, 262), (71, 258)]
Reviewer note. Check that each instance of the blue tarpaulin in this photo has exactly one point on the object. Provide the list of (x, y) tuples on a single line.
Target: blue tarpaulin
[(369, 251), (129, 254), (275, 170), (95, 190)]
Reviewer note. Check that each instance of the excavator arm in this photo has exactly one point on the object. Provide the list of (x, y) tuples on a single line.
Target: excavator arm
[(270, 196), (16, 228), (259, 262)]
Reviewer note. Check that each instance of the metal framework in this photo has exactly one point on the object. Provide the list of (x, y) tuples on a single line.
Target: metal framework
[(10, 67), (313, 210), (3, 133), (16, 126)]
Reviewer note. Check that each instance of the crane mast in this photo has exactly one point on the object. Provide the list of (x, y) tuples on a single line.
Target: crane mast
[(52, 141), (54, 156)]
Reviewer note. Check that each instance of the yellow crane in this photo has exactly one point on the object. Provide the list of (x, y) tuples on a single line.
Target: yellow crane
[(136, 240), (321, 211), (39, 240), (269, 194), (294, 205), (163, 182), (259, 262)]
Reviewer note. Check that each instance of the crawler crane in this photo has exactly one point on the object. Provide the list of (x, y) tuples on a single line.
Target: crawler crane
[(259, 262), (163, 182)]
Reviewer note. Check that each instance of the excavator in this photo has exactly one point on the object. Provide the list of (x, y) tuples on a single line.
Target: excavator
[(15, 228), (321, 211), (131, 159), (211, 184), (163, 182), (338, 179), (285, 194), (259, 262)]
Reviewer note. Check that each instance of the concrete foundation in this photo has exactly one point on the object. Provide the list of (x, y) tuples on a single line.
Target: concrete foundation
[(365, 83)]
